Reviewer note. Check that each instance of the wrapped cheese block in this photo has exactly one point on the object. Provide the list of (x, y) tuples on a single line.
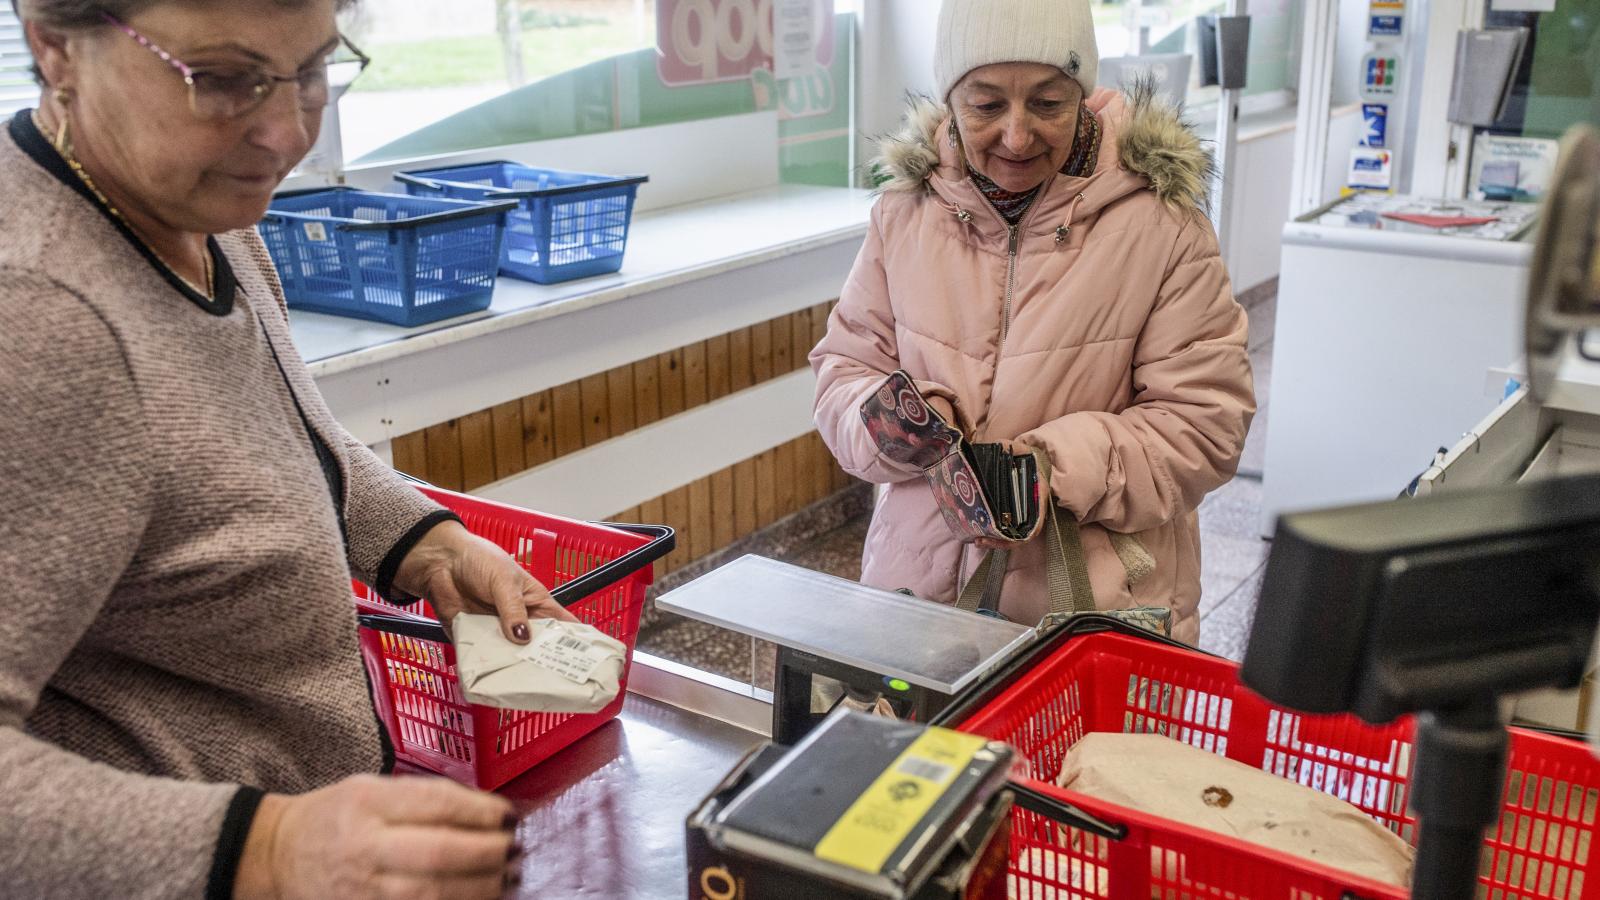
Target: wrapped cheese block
[(1160, 776)]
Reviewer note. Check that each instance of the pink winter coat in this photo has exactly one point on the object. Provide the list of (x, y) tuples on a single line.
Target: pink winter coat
[(1124, 358)]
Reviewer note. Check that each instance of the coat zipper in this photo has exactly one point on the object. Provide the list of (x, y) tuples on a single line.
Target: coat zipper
[(1013, 244)]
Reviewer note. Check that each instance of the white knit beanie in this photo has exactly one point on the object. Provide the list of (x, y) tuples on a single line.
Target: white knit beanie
[(976, 33)]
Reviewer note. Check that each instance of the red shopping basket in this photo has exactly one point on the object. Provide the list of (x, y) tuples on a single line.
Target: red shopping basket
[(598, 571), (1543, 846)]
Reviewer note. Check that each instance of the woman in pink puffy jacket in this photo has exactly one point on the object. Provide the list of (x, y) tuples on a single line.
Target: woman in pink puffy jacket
[(1041, 264)]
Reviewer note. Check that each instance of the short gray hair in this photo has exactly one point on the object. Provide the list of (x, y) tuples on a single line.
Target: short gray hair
[(74, 14)]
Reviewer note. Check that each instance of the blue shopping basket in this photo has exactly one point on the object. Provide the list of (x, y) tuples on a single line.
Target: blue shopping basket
[(387, 257), (567, 224)]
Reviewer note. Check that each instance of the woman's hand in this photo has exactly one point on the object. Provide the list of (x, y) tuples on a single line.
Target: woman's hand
[(371, 838), (460, 572)]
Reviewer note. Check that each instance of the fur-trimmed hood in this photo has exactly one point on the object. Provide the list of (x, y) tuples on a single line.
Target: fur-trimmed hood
[(1142, 136)]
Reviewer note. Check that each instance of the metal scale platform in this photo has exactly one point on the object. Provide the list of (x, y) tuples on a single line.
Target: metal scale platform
[(915, 653)]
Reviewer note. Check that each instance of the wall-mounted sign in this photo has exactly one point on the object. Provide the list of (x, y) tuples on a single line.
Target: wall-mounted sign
[(1386, 18), (1511, 168), (702, 41), (1376, 116), (1380, 76), (1370, 170), (794, 38)]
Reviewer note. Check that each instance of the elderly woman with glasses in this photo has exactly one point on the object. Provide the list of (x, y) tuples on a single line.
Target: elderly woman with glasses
[(183, 707)]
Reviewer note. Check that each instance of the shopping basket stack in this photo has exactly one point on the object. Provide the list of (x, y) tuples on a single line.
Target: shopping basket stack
[(600, 572), (1111, 680)]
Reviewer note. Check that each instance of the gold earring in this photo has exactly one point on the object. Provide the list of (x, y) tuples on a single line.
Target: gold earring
[(62, 97)]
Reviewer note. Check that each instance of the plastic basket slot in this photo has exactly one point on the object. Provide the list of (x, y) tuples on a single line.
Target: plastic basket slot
[(421, 736)]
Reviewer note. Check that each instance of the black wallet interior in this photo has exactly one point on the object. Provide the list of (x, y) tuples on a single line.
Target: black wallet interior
[(1011, 485)]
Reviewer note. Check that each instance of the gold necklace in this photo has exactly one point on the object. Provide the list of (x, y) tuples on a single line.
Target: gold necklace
[(64, 149)]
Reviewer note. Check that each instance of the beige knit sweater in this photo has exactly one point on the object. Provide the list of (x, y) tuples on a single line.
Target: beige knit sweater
[(175, 606)]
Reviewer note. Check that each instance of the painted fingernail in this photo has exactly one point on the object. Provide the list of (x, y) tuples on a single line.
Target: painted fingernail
[(513, 851), (519, 631), (513, 878), (509, 823)]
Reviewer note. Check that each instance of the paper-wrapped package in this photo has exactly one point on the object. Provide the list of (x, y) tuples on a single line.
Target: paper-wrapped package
[(1160, 776), (567, 667)]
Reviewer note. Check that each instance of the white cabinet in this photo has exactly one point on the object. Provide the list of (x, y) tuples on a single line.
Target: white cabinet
[(1381, 344)]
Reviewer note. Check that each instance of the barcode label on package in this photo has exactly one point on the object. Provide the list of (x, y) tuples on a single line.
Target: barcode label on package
[(573, 658), (316, 231), (918, 767)]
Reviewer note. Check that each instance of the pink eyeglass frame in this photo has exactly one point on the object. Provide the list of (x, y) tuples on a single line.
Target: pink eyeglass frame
[(189, 73)]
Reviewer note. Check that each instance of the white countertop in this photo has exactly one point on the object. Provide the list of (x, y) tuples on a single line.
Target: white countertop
[(665, 248)]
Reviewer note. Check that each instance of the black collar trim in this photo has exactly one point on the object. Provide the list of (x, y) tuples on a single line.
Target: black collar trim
[(33, 143)]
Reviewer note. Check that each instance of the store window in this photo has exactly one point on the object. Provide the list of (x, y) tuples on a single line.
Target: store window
[(451, 76), (1134, 29), (17, 88), (432, 59), (1555, 87)]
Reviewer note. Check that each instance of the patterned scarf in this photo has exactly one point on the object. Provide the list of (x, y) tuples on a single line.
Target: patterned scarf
[(1011, 205)]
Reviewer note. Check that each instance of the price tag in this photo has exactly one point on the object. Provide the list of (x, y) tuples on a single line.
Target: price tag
[(316, 231), (573, 658)]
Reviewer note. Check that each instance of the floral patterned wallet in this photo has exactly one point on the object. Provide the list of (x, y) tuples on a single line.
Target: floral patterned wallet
[(983, 490)]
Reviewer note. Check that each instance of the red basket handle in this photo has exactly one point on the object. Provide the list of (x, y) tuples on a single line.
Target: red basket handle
[(405, 626), (663, 541)]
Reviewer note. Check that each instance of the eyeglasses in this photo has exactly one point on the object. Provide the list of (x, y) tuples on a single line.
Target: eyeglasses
[(221, 93)]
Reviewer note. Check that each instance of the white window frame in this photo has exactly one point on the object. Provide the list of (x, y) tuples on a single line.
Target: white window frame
[(17, 87)]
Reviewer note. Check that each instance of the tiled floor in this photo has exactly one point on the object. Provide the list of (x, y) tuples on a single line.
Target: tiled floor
[(829, 538)]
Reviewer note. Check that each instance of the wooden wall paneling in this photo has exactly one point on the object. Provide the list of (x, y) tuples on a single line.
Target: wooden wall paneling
[(567, 403), (719, 367), (646, 391), (767, 488), (627, 516), (819, 322), (696, 388), (411, 454), (651, 512), (538, 429), (740, 360), (671, 364), (509, 458), (822, 466), (700, 519), (477, 449), (619, 400), (801, 325), (782, 345), (744, 498), (444, 455), (805, 463), (761, 352), (722, 515), (596, 409), (788, 497), (675, 510)]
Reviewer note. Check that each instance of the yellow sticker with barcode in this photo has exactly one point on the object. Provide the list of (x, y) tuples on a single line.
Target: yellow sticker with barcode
[(880, 819)]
